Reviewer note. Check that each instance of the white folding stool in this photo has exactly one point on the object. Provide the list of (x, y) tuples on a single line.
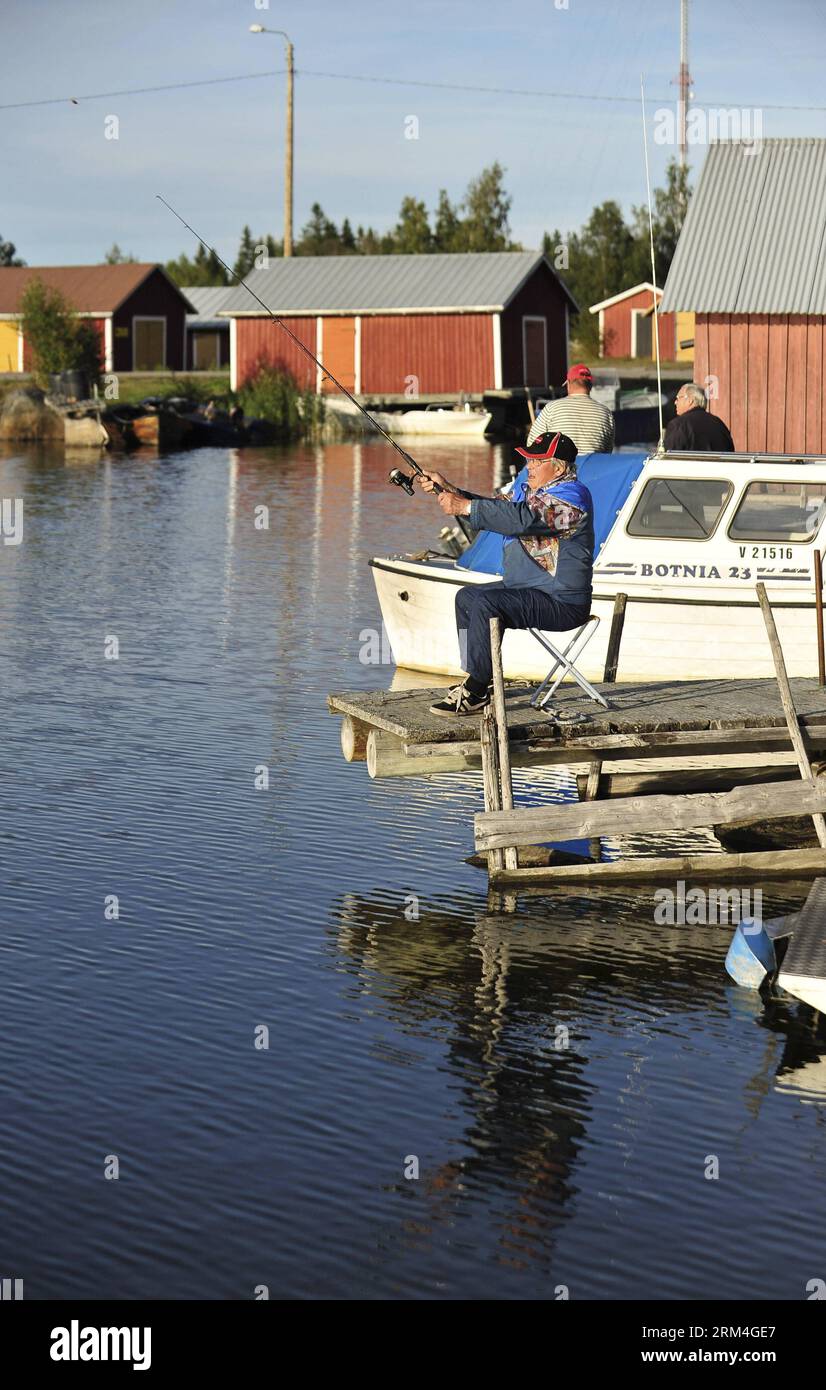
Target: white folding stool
[(566, 659)]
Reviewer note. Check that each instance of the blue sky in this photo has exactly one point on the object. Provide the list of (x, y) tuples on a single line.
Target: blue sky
[(216, 152)]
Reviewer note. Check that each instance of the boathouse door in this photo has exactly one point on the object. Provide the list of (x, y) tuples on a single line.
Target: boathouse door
[(148, 343), (338, 351), (534, 350)]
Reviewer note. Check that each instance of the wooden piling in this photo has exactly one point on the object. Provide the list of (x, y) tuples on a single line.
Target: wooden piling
[(490, 779), (787, 700), (354, 739), (615, 639), (821, 655), (500, 711)]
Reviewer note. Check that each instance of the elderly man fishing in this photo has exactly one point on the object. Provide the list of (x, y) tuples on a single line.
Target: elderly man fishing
[(547, 560)]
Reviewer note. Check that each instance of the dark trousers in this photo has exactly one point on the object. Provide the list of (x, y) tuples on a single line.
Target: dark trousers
[(476, 604)]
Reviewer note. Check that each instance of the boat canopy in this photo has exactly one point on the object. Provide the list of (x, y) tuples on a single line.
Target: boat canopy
[(608, 478)]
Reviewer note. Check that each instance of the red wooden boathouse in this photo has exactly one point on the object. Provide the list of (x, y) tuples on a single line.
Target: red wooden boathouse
[(407, 325), (139, 313), (751, 264)]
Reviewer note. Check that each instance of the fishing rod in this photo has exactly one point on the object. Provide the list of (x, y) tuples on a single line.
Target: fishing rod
[(402, 480)]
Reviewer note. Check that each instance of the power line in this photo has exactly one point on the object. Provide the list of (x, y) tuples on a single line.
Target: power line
[(139, 91), (387, 81)]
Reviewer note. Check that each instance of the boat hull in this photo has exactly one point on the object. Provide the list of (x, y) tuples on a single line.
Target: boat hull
[(664, 638)]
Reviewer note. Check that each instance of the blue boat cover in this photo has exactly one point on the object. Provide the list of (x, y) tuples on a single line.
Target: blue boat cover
[(608, 478)]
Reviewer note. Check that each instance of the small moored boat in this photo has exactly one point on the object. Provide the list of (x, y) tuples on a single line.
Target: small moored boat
[(686, 537)]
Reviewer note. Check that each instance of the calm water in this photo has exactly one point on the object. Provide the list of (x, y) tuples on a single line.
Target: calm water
[(284, 907)]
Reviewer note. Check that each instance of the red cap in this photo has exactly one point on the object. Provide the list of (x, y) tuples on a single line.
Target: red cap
[(579, 372)]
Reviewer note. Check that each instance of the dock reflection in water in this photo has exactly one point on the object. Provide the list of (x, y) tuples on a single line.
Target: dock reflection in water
[(560, 1073)]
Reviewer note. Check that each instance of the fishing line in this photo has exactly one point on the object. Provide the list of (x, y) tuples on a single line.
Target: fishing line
[(653, 269), (307, 353)]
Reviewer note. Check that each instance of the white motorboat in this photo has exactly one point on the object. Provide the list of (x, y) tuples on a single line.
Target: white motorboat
[(431, 420), (686, 537)]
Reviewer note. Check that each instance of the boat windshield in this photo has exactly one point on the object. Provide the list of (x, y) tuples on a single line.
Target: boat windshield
[(680, 507), (787, 511)]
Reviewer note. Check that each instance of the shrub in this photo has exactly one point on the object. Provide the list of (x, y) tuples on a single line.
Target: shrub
[(273, 394), (58, 340)]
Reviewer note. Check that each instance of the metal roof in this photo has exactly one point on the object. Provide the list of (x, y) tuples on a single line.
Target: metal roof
[(206, 300), (91, 289), (389, 284), (754, 238), (623, 294)]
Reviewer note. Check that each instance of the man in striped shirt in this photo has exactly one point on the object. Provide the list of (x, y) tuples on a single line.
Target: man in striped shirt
[(586, 422)]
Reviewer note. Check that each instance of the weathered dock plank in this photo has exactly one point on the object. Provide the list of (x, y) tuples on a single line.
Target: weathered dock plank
[(782, 864), (633, 815), (666, 708)]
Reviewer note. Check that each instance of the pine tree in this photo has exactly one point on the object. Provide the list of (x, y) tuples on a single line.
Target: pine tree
[(245, 260), (412, 234), (348, 241), (446, 229), (319, 236)]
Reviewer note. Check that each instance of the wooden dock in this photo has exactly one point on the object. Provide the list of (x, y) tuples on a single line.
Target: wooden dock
[(723, 725), (396, 736)]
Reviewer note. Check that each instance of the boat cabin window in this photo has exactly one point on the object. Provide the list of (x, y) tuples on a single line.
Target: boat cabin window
[(788, 511), (680, 507)]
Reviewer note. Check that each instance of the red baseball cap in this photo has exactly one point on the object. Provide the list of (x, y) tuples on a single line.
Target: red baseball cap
[(579, 372)]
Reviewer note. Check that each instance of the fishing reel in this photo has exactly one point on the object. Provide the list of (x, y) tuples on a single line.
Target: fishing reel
[(402, 480)]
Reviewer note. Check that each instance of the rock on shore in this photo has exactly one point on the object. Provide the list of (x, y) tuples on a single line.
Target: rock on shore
[(24, 415)]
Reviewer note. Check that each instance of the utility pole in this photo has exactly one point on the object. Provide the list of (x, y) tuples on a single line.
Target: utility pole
[(684, 82), (288, 136), (288, 163)]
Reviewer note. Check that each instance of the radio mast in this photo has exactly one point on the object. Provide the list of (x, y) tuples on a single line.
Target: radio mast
[(684, 83)]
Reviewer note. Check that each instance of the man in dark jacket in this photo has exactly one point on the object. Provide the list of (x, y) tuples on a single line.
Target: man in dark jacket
[(695, 430), (547, 560)]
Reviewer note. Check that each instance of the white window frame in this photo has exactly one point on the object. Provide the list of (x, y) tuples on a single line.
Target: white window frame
[(147, 318), (534, 318), (233, 354), (357, 358), (496, 324), (108, 350)]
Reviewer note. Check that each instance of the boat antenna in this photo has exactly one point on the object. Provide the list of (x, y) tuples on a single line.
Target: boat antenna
[(396, 477), (660, 448)]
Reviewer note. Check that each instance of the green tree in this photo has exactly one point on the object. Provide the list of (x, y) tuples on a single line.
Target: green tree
[(245, 259), (203, 269), (57, 338), (609, 255), (669, 207), (319, 236), (348, 240), (370, 242), (412, 234), (7, 254), (446, 229), (486, 207), (114, 256)]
